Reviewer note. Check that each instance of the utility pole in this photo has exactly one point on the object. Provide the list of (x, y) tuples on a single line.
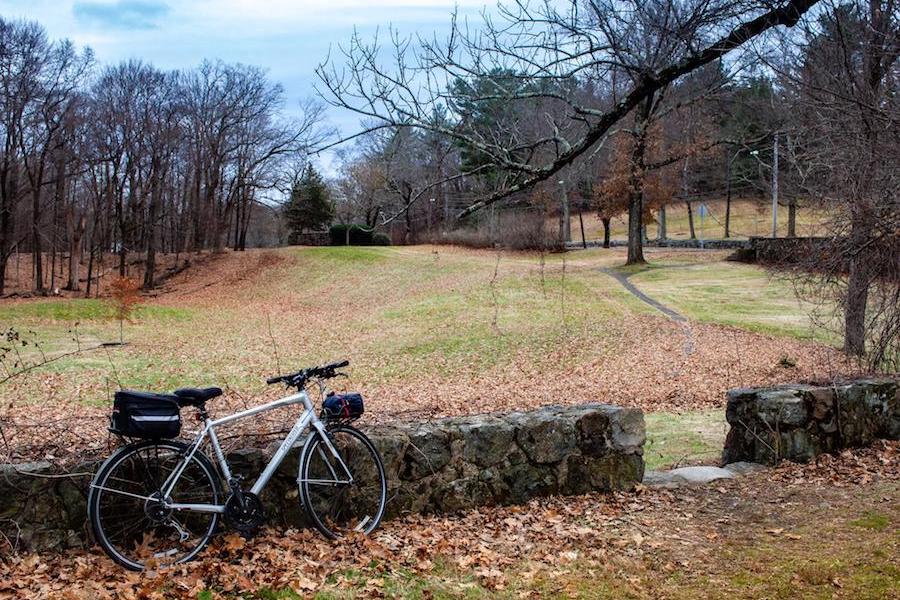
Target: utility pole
[(565, 226), (775, 187)]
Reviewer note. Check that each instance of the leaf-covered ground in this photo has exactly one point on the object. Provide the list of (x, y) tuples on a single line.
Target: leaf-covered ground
[(824, 530), (444, 331), (430, 331)]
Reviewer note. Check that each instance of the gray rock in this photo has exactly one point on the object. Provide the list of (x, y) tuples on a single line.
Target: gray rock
[(701, 474), (798, 422), (664, 479), (744, 468), (782, 407), (546, 438), (445, 465), (628, 430), (427, 453), (487, 440)]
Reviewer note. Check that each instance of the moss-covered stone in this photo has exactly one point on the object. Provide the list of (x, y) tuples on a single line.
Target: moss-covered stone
[(800, 422)]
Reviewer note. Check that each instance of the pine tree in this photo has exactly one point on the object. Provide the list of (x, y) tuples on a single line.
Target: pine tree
[(310, 207)]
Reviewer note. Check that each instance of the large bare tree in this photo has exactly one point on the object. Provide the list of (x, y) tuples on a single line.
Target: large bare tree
[(636, 47), (842, 84)]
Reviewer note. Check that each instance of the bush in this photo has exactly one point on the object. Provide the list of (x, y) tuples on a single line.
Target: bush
[(514, 230), (359, 236), (381, 239)]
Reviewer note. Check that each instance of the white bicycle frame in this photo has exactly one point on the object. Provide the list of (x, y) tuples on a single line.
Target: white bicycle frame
[(308, 418)]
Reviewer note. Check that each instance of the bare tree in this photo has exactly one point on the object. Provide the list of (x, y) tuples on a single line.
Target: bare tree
[(841, 83), (543, 45)]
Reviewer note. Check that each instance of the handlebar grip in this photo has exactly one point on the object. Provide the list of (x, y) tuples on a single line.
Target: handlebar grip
[(272, 380), (338, 365)]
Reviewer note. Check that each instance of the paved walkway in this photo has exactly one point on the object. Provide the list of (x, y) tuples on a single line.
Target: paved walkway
[(676, 316)]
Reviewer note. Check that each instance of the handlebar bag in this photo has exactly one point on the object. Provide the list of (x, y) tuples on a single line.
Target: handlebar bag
[(343, 406), (145, 415)]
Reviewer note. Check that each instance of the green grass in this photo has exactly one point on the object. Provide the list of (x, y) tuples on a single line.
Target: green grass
[(872, 520), (730, 293), (678, 438), (79, 309), (397, 313)]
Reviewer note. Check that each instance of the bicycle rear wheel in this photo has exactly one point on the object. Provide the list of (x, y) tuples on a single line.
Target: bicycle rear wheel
[(128, 517), (342, 500)]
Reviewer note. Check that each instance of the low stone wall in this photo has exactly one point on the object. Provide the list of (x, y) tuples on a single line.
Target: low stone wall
[(798, 422), (444, 465), (713, 244)]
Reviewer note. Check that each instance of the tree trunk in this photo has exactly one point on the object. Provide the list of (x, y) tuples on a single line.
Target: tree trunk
[(858, 282), (728, 200), (10, 194), (792, 218), (855, 311), (636, 187), (565, 226), (152, 232), (690, 210), (408, 235), (606, 228), (90, 270), (37, 250), (76, 232)]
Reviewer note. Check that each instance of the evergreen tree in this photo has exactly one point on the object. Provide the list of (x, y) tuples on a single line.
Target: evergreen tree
[(310, 207)]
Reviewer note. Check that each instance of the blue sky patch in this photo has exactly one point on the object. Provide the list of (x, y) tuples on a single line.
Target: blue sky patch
[(124, 14)]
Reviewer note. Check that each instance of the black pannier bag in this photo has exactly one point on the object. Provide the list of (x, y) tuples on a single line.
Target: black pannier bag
[(145, 415), (343, 406)]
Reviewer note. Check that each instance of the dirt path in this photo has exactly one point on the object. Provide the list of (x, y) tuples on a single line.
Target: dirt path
[(688, 347)]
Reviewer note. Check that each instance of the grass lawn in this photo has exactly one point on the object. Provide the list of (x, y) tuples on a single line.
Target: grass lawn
[(429, 331), (730, 293), (676, 439)]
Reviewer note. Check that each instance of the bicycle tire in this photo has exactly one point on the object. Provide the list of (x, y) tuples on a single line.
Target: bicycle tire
[(117, 459), (311, 494)]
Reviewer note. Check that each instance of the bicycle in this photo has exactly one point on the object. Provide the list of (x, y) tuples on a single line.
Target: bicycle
[(157, 501)]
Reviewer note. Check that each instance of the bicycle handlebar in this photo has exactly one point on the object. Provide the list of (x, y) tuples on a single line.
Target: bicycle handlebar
[(301, 376)]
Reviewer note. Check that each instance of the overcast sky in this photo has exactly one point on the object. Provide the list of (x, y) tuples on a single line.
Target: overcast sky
[(287, 37)]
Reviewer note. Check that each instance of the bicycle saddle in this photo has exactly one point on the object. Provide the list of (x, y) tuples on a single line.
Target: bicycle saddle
[(196, 396)]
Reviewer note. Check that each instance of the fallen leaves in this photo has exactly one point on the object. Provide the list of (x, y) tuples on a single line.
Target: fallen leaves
[(413, 358), (678, 531)]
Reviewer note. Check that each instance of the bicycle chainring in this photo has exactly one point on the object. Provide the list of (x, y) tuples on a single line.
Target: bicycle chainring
[(247, 519)]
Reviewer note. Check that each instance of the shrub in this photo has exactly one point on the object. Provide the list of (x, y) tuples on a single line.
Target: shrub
[(124, 298), (514, 230), (359, 236)]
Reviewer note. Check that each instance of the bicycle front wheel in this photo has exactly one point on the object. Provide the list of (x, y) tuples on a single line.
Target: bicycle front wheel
[(128, 513), (342, 482)]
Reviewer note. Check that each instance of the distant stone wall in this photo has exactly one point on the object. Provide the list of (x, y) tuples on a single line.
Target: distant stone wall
[(798, 422), (714, 244), (790, 251), (445, 465)]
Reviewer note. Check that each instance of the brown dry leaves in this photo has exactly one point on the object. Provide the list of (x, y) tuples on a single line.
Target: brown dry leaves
[(632, 359), (670, 530)]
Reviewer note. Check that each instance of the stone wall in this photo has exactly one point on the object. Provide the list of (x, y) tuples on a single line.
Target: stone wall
[(798, 422), (713, 244), (445, 465)]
